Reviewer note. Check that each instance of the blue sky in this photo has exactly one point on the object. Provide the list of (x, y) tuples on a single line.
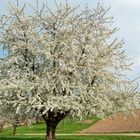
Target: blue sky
[(126, 15)]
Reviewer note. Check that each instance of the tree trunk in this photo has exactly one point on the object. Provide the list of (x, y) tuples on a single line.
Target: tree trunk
[(50, 133), (1, 128), (52, 119), (14, 130), (15, 126)]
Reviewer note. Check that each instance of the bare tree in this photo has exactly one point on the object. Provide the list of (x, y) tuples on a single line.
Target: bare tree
[(63, 62)]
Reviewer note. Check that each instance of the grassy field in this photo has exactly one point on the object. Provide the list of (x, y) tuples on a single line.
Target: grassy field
[(66, 126)]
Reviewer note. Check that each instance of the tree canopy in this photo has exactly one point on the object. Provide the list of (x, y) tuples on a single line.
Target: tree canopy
[(61, 61)]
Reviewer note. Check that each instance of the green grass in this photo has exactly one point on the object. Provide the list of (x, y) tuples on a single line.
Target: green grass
[(66, 126), (74, 138)]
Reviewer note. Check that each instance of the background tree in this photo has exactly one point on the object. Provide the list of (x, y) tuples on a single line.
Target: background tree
[(63, 62), (9, 117), (4, 117)]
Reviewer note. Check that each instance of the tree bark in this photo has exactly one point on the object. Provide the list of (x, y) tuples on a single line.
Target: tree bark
[(52, 119), (15, 124), (14, 130), (50, 133), (1, 128)]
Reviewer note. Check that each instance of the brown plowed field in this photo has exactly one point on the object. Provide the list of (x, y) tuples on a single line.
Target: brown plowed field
[(117, 123)]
